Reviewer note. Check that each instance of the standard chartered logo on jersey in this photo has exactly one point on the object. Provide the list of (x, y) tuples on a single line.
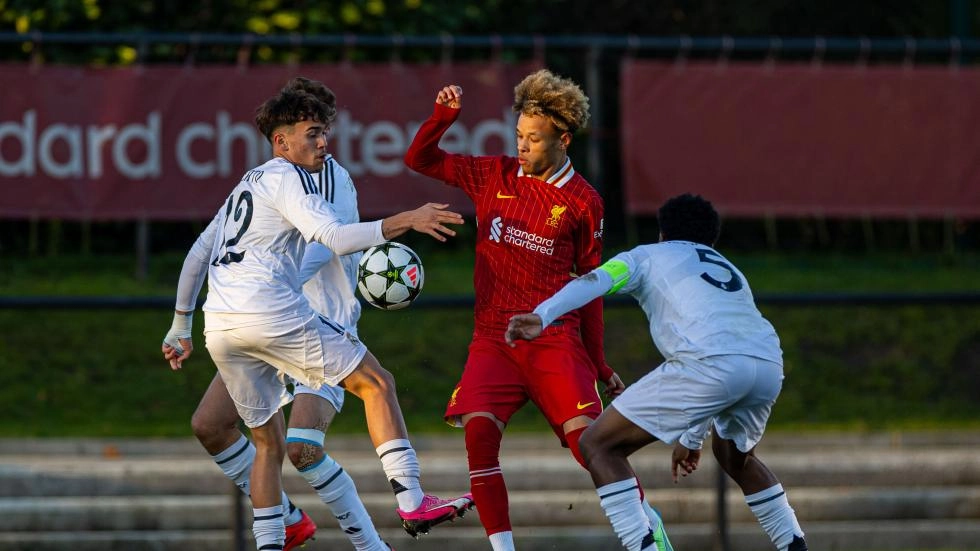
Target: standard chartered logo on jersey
[(495, 226), (206, 149), (520, 238)]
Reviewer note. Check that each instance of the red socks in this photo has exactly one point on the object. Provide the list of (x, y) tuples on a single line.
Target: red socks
[(571, 438), (486, 479)]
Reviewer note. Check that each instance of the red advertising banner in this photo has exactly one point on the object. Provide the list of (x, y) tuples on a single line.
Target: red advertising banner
[(791, 140), (169, 143)]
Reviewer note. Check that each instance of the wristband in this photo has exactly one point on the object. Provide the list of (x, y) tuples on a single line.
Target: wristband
[(181, 327)]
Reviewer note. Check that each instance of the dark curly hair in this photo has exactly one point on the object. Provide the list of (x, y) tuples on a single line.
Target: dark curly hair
[(689, 218), (320, 91), (287, 108)]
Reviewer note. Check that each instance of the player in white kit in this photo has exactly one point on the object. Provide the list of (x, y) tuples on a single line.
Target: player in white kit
[(329, 282), (722, 368), (260, 328)]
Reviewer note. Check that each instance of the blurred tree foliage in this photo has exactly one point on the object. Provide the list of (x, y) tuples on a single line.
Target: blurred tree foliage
[(758, 17), (876, 18)]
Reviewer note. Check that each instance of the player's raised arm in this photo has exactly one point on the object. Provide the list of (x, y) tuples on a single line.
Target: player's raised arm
[(424, 155)]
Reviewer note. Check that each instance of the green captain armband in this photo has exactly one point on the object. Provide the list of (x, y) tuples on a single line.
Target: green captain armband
[(620, 273)]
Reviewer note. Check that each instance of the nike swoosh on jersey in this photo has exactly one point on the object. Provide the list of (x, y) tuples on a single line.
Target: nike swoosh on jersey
[(580, 405), (502, 196)]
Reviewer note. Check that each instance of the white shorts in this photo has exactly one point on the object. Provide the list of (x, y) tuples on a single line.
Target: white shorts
[(738, 392), (332, 394), (255, 360)]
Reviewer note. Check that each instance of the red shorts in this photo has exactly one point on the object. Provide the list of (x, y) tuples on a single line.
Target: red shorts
[(553, 371)]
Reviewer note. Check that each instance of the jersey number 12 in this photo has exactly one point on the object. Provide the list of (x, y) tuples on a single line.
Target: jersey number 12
[(242, 218)]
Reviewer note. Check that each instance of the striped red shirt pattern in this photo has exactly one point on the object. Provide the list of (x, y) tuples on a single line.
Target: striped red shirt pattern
[(532, 235)]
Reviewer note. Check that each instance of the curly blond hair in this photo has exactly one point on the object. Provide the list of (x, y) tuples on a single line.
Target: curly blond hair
[(543, 93)]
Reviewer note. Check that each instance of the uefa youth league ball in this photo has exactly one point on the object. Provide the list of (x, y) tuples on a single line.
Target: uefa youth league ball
[(390, 276)]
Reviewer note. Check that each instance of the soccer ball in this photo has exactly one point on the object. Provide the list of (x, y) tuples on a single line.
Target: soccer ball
[(390, 276)]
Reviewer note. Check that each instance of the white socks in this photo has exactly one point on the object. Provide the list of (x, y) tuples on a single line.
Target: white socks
[(502, 541), (401, 466), (236, 462), (268, 529), (621, 503), (775, 515), (336, 488)]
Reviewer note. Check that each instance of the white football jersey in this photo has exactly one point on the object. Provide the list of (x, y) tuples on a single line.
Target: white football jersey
[(331, 289), (259, 237), (698, 303)]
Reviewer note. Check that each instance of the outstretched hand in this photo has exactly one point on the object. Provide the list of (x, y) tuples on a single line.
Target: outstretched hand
[(451, 96), (683, 459), (431, 218), (523, 326)]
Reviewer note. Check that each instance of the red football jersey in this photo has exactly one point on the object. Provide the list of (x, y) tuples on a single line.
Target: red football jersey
[(532, 235)]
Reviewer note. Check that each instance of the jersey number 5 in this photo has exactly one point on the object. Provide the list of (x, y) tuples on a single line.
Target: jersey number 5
[(243, 217), (733, 284)]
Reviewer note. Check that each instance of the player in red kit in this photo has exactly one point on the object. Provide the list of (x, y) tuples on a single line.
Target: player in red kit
[(539, 223)]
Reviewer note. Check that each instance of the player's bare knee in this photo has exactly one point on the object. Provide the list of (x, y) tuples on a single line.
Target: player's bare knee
[(720, 451), (730, 458), (385, 380), (302, 455), (206, 430), (591, 445), (199, 428), (209, 421), (271, 447), (294, 451), (378, 381), (369, 378)]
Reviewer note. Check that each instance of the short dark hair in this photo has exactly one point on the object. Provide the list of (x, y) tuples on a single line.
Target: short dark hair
[(287, 108), (320, 91), (689, 218)]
